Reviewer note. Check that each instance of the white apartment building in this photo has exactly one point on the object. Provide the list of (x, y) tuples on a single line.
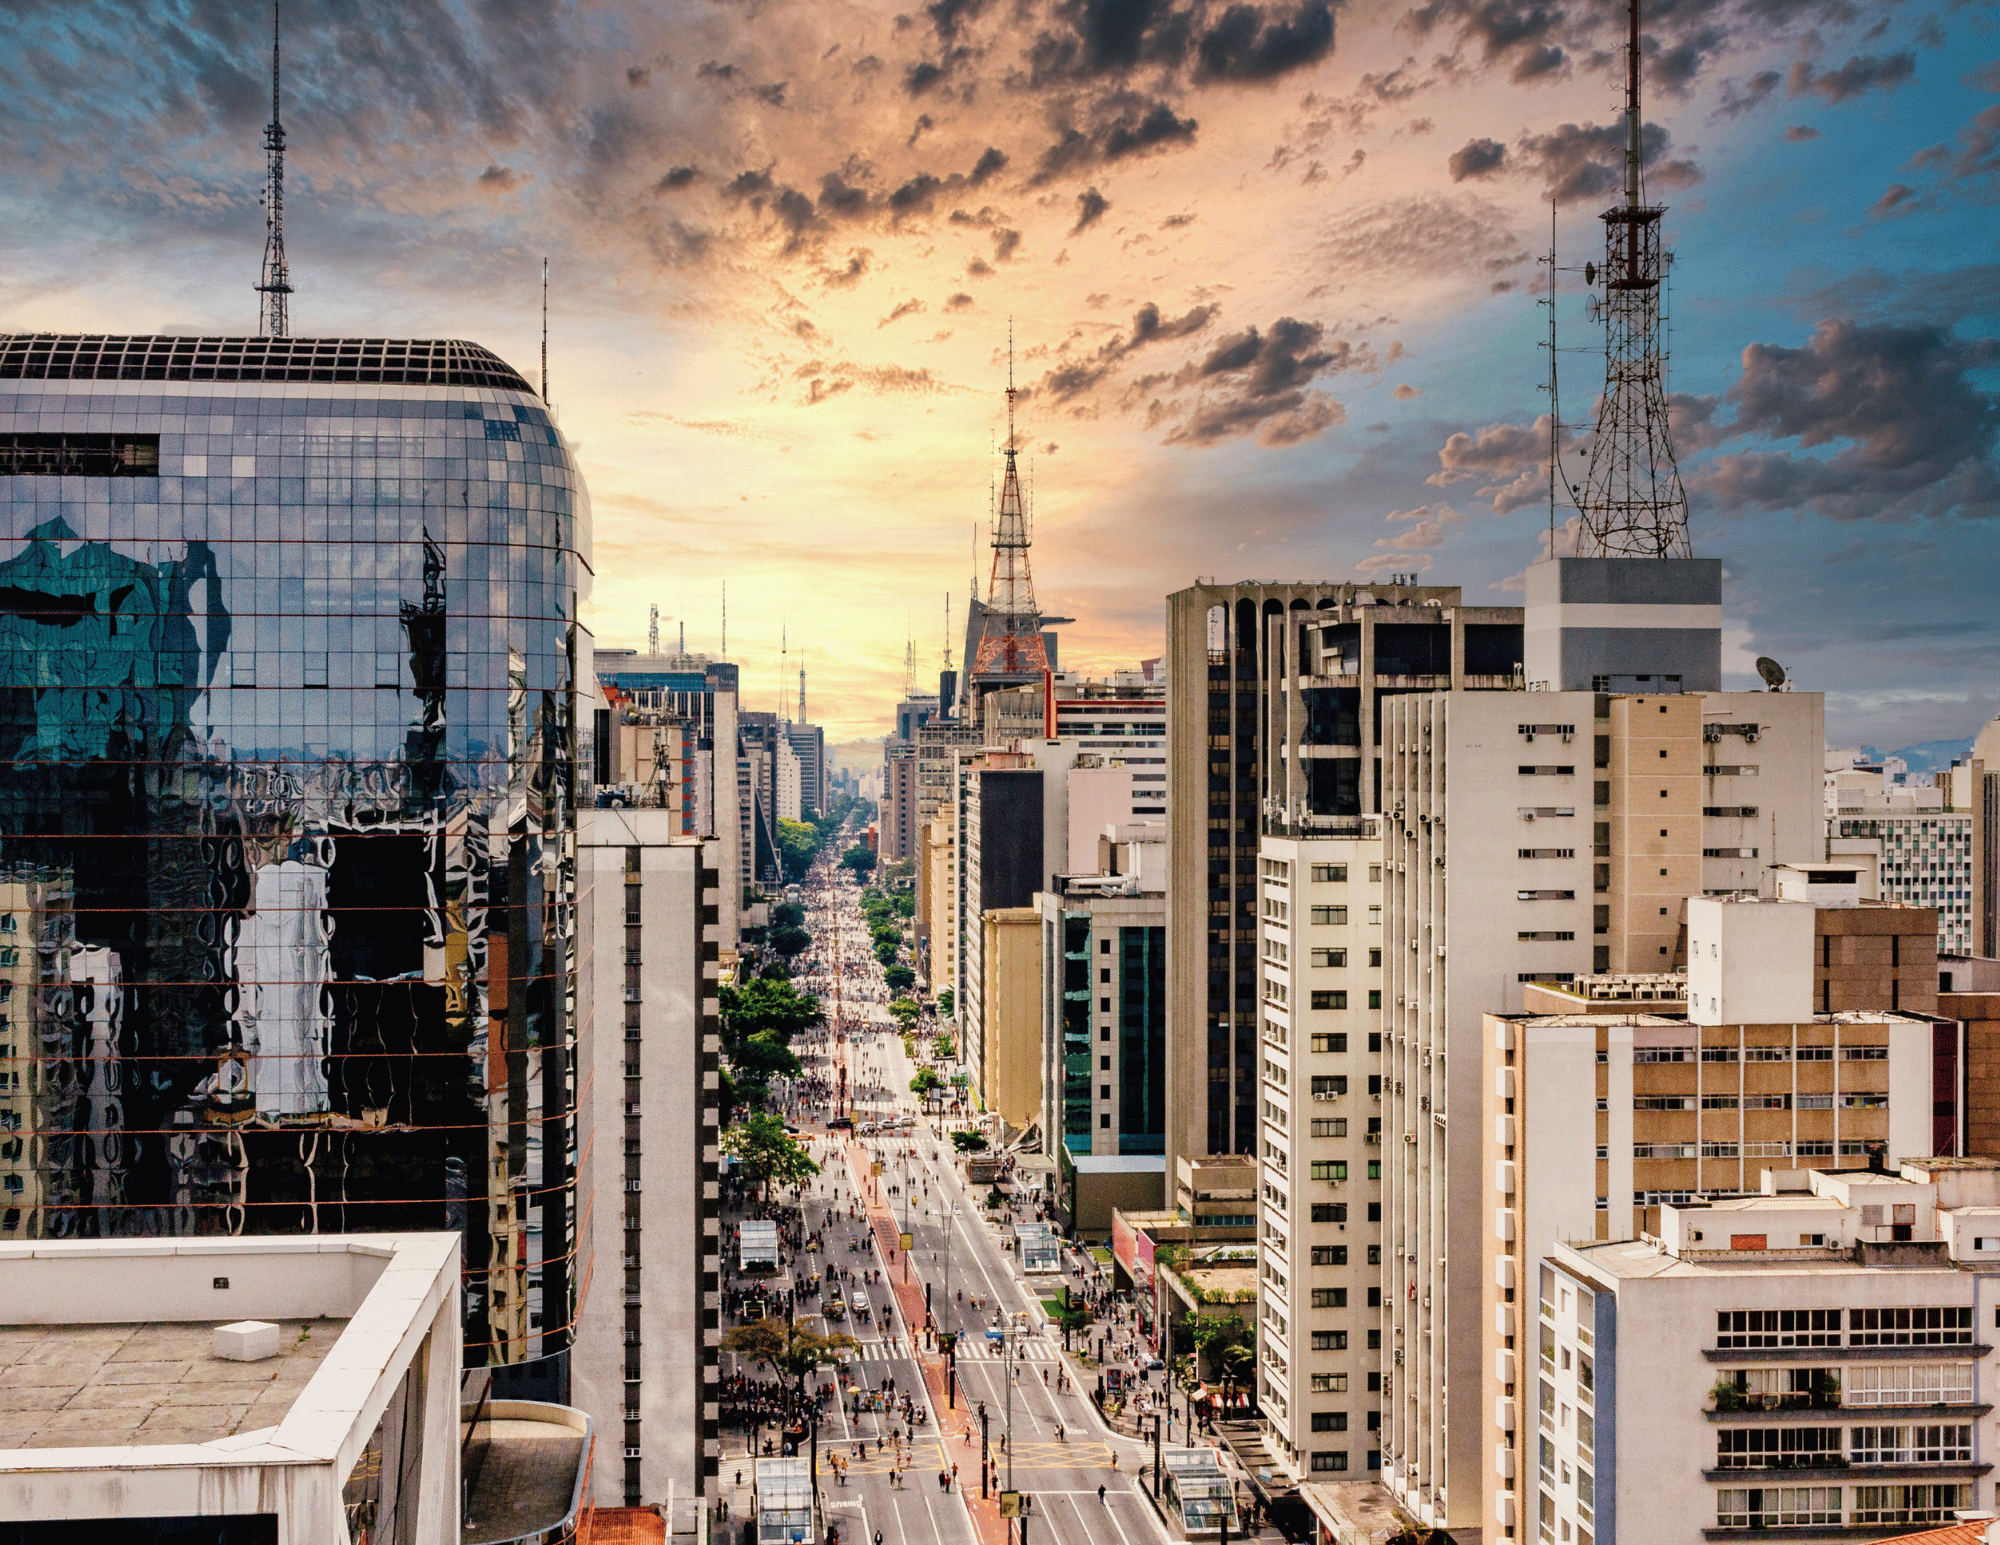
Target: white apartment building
[(1923, 851), (1319, 1286), (1809, 1363), (645, 1360)]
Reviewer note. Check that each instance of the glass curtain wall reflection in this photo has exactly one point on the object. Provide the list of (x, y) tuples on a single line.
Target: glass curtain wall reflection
[(287, 783)]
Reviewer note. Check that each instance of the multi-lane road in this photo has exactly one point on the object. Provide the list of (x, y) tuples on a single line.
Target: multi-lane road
[(1051, 1445)]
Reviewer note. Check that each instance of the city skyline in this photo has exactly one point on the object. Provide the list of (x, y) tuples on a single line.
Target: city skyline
[(761, 234)]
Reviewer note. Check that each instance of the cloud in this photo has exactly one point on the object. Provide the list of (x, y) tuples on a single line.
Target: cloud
[(1090, 207), (1005, 243), (959, 302), (1912, 433), (1861, 74), (1425, 527), (1476, 158), (1434, 234), (1249, 44), (1395, 563), (1509, 461), (1070, 381), (909, 307), (1121, 127), (1256, 383), (850, 272), (1406, 392), (1587, 161), (1736, 101), (501, 180), (676, 179), (1798, 133)]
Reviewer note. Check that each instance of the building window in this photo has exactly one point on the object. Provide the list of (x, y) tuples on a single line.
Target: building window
[(1329, 1000), (1908, 1327), (1330, 1212), (1330, 874), (1329, 1043), (1329, 1298), (1777, 1448), (1921, 1443), (1329, 1421), (1329, 957), (1329, 1383), (1908, 1504), (1785, 1327), (1329, 1126), (1323, 1461), (1329, 1255), (1776, 1506), (1907, 1384), (1329, 1169), (1375, 997), (1329, 1341), (1329, 917)]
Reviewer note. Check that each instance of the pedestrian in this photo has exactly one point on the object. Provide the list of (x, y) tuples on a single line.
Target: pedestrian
[(1100, 1491)]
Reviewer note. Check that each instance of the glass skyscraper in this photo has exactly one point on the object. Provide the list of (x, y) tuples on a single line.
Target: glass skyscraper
[(287, 829)]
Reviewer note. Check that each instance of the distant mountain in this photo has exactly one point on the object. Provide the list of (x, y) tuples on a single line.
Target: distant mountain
[(1931, 756)]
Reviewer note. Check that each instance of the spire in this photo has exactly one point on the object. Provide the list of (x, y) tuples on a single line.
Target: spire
[(1632, 503), (1012, 640), (802, 686), (545, 336), (947, 630), (274, 320)]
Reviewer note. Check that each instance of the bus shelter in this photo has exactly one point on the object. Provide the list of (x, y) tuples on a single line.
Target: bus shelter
[(784, 1502), (1196, 1485), (1040, 1250), (757, 1248)]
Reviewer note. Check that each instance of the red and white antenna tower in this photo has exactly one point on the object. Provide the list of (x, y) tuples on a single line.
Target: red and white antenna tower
[(1632, 502)]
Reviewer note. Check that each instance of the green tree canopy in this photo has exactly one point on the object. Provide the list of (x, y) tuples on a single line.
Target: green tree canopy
[(899, 977), (789, 941), (906, 1011), (799, 843), (765, 1005), (860, 859), (947, 1003), (943, 1048), (969, 1142), (786, 915), (925, 1081), (768, 1153), (765, 1056)]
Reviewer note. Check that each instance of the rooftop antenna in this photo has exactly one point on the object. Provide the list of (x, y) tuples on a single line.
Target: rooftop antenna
[(684, 635), (1555, 414), (545, 336), (909, 665), (947, 630), (274, 319), (802, 686), (1632, 504), (653, 633), (784, 660)]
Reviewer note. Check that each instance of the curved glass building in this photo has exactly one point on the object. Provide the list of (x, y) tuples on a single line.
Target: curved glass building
[(287, 828)]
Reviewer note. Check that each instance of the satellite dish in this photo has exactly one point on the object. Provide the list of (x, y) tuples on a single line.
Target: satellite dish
[(1590, 273), (1772, 672)]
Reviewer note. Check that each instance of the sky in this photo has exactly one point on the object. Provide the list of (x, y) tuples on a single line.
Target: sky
[(1275, 274)]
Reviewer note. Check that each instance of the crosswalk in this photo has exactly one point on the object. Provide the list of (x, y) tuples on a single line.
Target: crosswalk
[(978, 1349)]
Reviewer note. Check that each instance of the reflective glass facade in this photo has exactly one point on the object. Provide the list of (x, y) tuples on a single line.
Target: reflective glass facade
[(287, 830)]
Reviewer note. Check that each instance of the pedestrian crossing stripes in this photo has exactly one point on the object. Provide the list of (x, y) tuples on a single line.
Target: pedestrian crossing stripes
[(977, 1349)]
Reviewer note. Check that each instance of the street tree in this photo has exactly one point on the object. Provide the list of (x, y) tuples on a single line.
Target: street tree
[(859, 859), (768, 1153), (969, 1142), (797, 1353)]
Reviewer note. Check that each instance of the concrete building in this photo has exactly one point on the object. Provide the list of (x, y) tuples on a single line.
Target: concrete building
[(718, 796), (1622, 626), (1010, 1008), (815, 778), (899, 803), (1927, 847), (1808, 1361), (1320, 1153), (264, 1389), (645, 1363), (999, 846), (1275, 697), (1102, 1060)]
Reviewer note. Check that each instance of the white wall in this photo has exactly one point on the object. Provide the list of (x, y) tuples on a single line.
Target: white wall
[(1750, 962)]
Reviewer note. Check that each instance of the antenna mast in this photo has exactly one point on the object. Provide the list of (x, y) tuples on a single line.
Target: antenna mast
[(1015, 646), (653, 633), (947, 630), (1633, 504), (545, 338), (274, 319), (802, 686), (725, 619)]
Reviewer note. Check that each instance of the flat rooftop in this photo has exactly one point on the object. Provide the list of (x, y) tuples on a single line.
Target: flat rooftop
[(1632, 1258), (113, 1385)]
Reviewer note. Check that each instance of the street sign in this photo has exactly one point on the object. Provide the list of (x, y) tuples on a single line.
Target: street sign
[(1010, 1504), (907, 1240)]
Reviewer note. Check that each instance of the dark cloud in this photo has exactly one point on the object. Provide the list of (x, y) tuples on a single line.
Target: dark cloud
[(1251, 44), (1005, 243), (991, 163), (1914, 431), (1121, 127), (907, 308), (1522, 37), (845, 197), (1751, 95), (959, 302), (1090, 207), (1257, 383), (1798, 133), (1476, 158), (1086, 39), (710, 70), (638, 76), (501, 179), (676, 179), (850, 272), (1860, 75), (1587, 161), (1973, 152), (1073, 380)]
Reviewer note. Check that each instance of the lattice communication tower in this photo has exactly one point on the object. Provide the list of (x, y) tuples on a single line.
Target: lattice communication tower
[(1632, 502), (275, 312)]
